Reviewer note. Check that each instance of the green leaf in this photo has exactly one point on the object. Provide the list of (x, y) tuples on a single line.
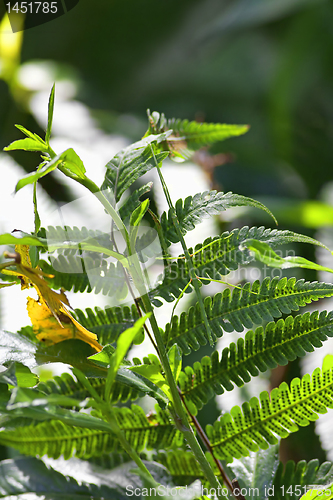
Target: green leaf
[(72, 164), (50, 115), (28, 145), (243, 307), (28, 477), (131, 163), (108, 323), (68, 160), (141, 383), (123, 344), (25, 239), (175, 360), (32, 404), (279, 414), (294, 479), (193, 210), (151, 369), (216, 257), (193, 134), (184, 468), (328, 362), (23, 397), (125, 340), (138, 213), (15, 348), (38, 174), (133, 200), (325, 493), (265, 254), (19, 375), (32, 135), (128, 386), (136, 219), (65, 432), (260, 350), (256, 472)]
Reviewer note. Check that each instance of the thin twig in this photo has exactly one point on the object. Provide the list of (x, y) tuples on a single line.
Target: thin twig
[(206, 442)]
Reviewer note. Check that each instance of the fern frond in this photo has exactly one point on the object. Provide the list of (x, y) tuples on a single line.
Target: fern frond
[(244, 307), (193, 210), (86, 274), (108, 323), (112, 459), (192, 133), (183, 466), (300, 475), (279, 414), (67, 386), (219, 256), (260, 350), (55, 236), (54, 438)]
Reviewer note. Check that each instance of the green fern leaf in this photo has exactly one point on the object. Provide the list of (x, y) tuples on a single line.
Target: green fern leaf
[(280, 413), (218, 256), (193, 135), (108, 323), (193, 210), (263, 349), (131, 163), (302, 475), (56, 236), (86, 274), (184, 468), (67, 386), (54, 438), (244, 307)]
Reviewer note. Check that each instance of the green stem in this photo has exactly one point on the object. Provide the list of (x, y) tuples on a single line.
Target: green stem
[(192, 273), (95, 190), (181, 419)]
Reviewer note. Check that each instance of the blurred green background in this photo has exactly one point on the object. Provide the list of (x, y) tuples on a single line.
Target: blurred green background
[(268, 63)]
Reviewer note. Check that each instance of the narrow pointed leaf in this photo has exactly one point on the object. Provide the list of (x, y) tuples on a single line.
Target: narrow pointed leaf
[(50, 115), (28, 145), (265, 254)]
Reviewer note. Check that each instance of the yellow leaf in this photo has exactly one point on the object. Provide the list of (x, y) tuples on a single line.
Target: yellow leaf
[(50, 318), (48, 330)]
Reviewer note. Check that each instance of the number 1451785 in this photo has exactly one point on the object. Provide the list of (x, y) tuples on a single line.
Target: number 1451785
[(33, 7)]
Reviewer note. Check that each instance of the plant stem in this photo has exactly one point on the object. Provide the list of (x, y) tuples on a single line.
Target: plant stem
[(206, 442), (95, 190), (181, 419), (192, 273)]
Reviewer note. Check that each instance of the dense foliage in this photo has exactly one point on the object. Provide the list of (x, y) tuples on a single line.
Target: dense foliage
[(87, 414)]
